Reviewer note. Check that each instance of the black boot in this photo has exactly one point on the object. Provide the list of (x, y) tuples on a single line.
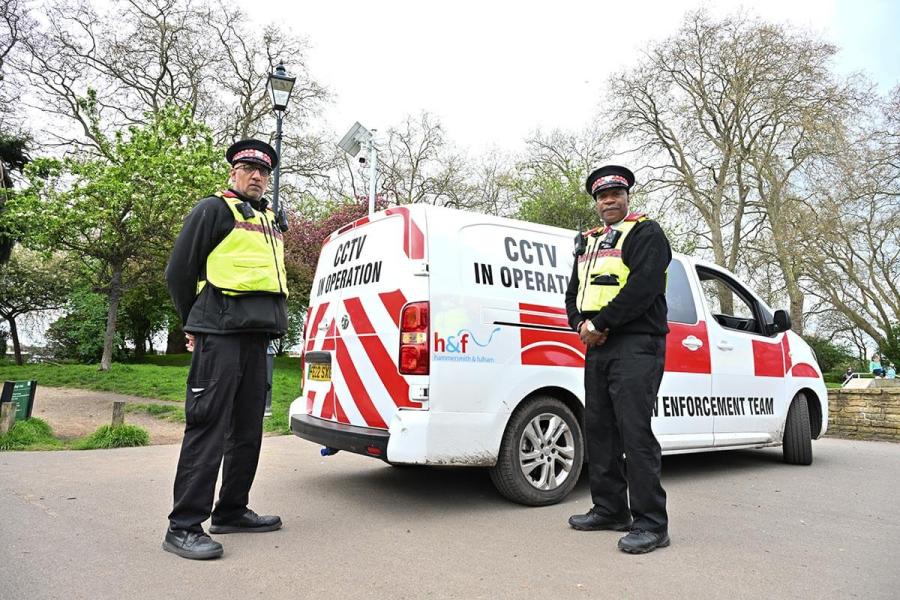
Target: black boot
[(639, 541), (592, 521), (249, 522), (191, 544)]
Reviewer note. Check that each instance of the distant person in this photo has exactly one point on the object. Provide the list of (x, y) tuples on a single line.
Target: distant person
[(890, 372), (875, 366), (848, 375), (229, 313)]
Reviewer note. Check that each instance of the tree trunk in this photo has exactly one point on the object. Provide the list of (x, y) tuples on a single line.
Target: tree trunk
[(140, 344), (175, 342), (797, 297), (14, 335), (115, 294)]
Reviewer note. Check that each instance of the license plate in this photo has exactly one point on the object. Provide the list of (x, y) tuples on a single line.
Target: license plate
[(320, 372)]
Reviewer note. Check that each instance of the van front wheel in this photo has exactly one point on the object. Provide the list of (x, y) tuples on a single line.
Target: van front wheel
[(541, 453), (797, 443)]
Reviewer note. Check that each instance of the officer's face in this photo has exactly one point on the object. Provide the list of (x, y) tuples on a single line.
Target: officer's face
[(612, 205), (250, 179)]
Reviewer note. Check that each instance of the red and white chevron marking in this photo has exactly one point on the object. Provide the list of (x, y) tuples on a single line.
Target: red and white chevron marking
[(366, 388)]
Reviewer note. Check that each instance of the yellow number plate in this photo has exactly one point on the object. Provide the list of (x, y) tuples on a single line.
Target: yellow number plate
[(319, 372)]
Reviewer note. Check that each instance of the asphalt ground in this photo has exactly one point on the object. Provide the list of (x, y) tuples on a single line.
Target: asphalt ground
[(743, 525)]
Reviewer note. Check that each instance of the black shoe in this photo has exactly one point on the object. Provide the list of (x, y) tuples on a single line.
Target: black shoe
[(591, 521), (191, 544), (639, 541), (249, 522)]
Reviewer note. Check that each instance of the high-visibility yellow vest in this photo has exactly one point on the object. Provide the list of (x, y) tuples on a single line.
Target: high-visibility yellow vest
[(250, 260), (601, 272)]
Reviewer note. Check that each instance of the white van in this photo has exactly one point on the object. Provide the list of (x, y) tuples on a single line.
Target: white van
[(439, 337)]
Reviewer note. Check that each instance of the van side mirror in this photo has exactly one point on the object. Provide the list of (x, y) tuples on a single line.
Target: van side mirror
[(782, 321)]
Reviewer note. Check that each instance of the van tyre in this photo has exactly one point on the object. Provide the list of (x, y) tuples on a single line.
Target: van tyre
[(541, 453), (797, 445)]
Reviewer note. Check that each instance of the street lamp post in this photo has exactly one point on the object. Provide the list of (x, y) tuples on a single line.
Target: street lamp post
[(280, 87)]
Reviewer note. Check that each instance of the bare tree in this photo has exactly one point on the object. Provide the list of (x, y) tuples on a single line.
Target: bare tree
[(548, 182), (856, 265), (11, 22), (412, 164), (730, 111), (103, 71), (680, 107)]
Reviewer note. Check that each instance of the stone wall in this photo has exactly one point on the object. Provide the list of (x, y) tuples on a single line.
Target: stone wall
[(872, 413)]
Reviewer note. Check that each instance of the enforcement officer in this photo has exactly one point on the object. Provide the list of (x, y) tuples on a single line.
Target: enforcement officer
[(616, 301), (227, 280)]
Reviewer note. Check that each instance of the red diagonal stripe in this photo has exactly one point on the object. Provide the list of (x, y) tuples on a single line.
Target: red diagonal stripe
[(341, 415), (393, 303), (314, 330), (310, 400), (307, 323), (358, 391), (328, 404), (786, 349), (413, 239), (393, 381), (328, 344)]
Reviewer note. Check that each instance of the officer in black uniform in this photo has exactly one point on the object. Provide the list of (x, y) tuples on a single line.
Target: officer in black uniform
[(616, 301), (227, 281)]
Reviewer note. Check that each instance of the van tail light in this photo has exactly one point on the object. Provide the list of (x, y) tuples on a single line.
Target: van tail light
[(414, 339)]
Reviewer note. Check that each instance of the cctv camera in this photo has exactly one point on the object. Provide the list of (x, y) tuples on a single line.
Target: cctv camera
[(362, 160)]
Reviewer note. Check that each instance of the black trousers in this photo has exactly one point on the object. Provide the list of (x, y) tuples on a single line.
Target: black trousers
[(226, 397), (621, 380)]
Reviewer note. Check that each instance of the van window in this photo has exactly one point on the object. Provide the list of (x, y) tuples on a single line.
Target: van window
[(679, 298), (729, 304)]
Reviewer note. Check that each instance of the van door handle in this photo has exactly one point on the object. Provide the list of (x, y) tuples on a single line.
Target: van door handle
[(723, 345), (692, 343)]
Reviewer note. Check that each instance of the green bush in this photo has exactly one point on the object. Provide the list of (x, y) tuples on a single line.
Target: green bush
[(107, 436), (79, 334), (833, 376), (831, 357), (30, 434)]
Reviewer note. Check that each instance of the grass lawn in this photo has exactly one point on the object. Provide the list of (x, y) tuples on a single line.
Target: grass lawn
[(160, 377)]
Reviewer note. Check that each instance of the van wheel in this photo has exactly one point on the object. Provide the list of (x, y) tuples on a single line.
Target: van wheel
[(541, 453), (797, 444)]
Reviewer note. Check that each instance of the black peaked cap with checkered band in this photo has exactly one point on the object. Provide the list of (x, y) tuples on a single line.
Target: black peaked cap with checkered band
[(252, 151), (608, 176)]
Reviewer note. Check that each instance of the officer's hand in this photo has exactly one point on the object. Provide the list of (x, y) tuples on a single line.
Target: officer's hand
[(592, 338), (190, 342)]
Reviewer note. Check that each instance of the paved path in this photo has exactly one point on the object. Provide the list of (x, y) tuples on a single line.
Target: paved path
[(744, 525)]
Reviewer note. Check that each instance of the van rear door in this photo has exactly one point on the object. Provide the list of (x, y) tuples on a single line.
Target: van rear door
[(367, 272)]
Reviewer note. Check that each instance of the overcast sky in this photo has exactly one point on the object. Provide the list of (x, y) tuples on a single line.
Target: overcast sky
[(493, 71)]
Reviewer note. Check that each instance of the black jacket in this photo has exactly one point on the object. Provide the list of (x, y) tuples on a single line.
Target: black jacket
[(640, 306), (213, 312)]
